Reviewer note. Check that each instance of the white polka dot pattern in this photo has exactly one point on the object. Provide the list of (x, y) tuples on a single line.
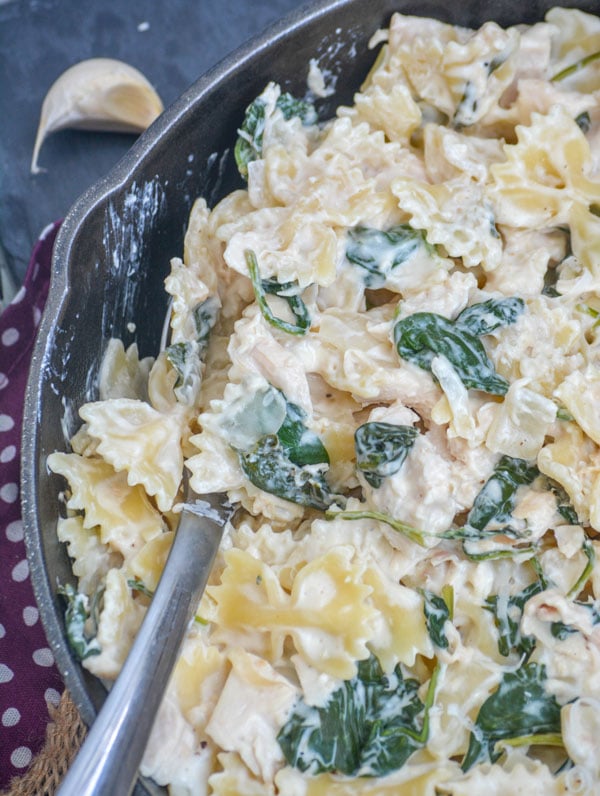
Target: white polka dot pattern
[(10, 337), (9, 493), (14, 531), (8, 454), (29, 681), (21, 571), (10, 717), (43, 657), (30, 615), (6, 423), (21, 757)]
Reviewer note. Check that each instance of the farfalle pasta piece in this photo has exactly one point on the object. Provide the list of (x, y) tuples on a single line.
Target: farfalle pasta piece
[(521, 423), (394, 111), (461, 73), (456, 215), (188, 292), (327, 613), (544, 174), (402, 632), (576, 36), (449, 154), (172, 756), (580, 725), (122, 373), (120, 619), (144, 443), (251, 708), (90, 558), (573, 460), (580, 394), (234, 777), (148, 563), (124, 514), (580, 273), (198, 679), (495, 780)]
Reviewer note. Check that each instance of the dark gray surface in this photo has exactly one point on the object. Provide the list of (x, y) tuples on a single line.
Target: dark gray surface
[(39, 39)]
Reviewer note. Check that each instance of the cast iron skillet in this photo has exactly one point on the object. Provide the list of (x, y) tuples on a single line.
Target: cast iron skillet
[(113, 250)]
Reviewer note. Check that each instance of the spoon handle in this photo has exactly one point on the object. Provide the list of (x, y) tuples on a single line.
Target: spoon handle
[(108, 760)]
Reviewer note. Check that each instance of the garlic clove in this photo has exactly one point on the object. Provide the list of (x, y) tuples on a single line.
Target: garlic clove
[(101, 94)]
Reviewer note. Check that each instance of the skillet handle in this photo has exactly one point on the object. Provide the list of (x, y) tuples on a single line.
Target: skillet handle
[(109, 758)]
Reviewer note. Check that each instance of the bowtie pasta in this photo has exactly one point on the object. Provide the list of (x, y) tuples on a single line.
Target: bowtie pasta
[(385, 350)]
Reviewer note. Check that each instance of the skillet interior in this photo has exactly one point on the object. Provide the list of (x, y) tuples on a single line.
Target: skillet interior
[(113, 250)]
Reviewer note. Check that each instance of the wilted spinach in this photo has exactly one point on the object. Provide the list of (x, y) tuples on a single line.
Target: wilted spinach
[(205, 316), (496, 500), (561, 630), (381, 449), (377, 252), (437, 613), (369, 727), (422, 335), (182, 357), (283, 463), (81, 621), (249, 144), (508, 611), (520, 708), (286, 290)]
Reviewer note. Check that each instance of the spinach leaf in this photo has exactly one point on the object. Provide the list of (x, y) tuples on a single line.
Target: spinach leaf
[(268, 467), (370, 726), (422, 335), (561, 630), (285, 291), (249, 144), (508, 611), (487, 316), (584, 122), (437, 613), (381, 449), (496, 500), (563, 501), (301, 445), (286, 463), (520, 707), (290, 106), (79, 614), (182, 357), (205, 316), (378, 252)]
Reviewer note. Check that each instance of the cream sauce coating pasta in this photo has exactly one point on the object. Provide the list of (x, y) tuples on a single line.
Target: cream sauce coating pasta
[(385, 350)]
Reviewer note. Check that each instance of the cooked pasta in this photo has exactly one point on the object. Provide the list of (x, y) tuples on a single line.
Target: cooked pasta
[(385, 350)]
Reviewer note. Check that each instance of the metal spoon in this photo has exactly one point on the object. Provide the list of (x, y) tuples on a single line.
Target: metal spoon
[(108, 762)]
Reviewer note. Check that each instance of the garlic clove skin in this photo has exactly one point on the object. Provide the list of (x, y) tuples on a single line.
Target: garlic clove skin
[(101, 94)]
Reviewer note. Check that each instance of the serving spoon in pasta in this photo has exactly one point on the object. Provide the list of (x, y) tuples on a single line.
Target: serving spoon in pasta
[(109, 759)]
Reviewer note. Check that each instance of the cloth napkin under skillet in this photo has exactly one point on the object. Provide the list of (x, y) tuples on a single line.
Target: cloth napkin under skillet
[(29, 679)]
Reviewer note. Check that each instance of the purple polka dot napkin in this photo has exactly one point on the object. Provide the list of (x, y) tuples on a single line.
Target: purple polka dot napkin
[(29, 679)]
